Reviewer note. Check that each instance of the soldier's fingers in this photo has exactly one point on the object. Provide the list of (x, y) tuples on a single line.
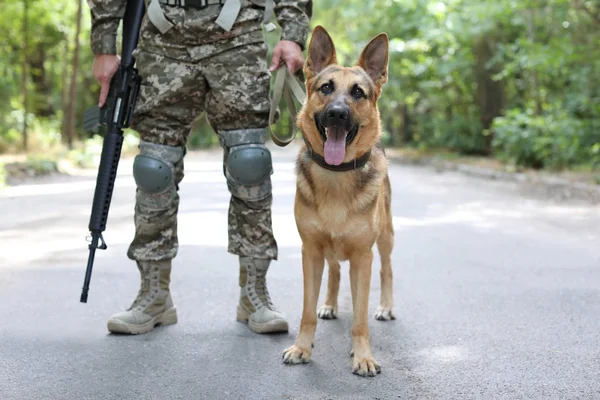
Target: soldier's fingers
[(291, 65), (105, 80), (105, 85), (115, 67), (294, 64), (108, 74), (276, 59)]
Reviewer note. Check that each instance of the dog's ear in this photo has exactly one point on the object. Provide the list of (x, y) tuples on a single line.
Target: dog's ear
[(374, 59), (321, 52)]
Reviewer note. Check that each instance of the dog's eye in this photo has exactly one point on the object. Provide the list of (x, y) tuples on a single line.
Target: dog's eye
[(326, 88), (357, 92)]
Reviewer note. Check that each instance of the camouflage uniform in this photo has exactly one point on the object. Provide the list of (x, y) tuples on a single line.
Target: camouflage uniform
[(197, 66)]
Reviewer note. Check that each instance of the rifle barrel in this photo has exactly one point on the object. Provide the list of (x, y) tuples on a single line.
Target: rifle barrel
[(88, 271)]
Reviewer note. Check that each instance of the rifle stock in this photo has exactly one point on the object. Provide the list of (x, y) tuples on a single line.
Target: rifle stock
[(115, 115)]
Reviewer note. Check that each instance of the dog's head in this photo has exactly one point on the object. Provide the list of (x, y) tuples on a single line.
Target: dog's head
[(340, 118)]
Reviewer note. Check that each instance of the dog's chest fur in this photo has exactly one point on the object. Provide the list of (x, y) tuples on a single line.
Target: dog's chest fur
[(338, 207)]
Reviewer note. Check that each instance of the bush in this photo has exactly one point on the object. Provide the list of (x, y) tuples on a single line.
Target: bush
[(459, 134), (202, 135), (87, 154), (554, 140)]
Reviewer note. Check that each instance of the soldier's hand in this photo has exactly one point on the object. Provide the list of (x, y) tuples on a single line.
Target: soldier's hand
[(287, 52), (104, 67)]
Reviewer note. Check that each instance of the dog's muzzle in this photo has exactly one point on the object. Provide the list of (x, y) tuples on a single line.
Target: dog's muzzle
[(336, 117), (337, 130)]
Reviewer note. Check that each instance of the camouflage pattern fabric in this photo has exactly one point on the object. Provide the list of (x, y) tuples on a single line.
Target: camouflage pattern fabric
[(105, 16), (198, 67), (250, 229), (249, 225), (155, 217), (195, 28)]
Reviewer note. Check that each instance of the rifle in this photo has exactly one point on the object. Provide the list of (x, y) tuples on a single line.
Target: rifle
[(115, 115)]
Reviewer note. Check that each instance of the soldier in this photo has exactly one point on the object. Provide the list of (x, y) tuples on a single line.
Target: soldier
[(195, 56)]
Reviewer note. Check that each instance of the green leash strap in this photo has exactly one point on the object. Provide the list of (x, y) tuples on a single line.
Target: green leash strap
[(288, 87)]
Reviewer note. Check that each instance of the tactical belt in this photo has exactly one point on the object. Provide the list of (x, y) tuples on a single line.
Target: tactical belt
[(226, 19), (191, 3)]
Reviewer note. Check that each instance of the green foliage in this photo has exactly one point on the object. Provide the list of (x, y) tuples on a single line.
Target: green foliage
[(460, 134), (554, 141), (46, 47), (514, 79), (44, 133), (87, 154), (459, 66), (202, 135)]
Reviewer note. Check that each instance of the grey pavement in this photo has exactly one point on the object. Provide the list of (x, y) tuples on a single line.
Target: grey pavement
[(497, 296)]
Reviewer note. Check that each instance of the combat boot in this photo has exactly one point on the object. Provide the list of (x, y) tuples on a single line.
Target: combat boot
[(153, 304), (255, 307)]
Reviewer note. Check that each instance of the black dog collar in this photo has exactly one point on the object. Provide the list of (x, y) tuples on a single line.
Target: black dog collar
[(347, 166)]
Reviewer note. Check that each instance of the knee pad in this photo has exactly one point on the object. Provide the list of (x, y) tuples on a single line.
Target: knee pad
[(154, 174), (247, 165)]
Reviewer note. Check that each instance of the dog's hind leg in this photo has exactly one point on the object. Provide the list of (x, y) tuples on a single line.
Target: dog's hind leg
[(329, 309), (363, 363), (313, 262)]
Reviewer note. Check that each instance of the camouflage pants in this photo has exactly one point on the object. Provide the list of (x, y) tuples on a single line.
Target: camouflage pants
[(232, 88)]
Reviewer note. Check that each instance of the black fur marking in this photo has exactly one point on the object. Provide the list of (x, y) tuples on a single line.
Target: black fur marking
[(367, 81), (365, 177), (323, 77), (349, 138), (301, 169)]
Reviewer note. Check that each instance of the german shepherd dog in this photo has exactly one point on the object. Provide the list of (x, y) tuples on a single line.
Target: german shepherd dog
[(343, 193)]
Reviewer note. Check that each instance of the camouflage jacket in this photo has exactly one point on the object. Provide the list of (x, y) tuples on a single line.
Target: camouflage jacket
[(292, 15)]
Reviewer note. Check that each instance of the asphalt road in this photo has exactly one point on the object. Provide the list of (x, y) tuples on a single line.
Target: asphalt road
[(497, 296)]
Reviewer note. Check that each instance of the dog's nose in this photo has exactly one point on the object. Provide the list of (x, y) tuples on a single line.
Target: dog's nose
[(337, 114)]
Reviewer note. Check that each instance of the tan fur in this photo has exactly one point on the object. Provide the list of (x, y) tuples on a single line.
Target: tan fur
[(340, 216)]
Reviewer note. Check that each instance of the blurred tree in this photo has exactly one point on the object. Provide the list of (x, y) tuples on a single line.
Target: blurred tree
[(70, 132), (518, 80)]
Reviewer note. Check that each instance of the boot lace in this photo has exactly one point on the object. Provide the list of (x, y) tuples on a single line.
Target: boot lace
[(147, 292), (144, 286), (263, 293)]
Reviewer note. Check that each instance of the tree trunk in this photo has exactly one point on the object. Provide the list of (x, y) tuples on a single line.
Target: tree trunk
[(405, 123), (490, 93), (42, 104), (63, 94), (534, 76), (24, 77), (74, 73)]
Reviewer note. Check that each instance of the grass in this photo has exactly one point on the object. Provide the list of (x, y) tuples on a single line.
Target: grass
[(53, 158), (47, 154)]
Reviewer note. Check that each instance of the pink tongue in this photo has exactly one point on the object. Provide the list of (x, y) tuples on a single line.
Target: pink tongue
[(335, 146)]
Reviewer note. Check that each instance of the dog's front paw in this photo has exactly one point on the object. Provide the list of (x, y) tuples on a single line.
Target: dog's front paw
[(296, 355), (367, 366), (384, 314), (327, 312)]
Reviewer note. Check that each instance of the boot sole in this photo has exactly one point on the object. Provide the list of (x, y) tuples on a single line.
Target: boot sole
[(169, 317), (278, 325)]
